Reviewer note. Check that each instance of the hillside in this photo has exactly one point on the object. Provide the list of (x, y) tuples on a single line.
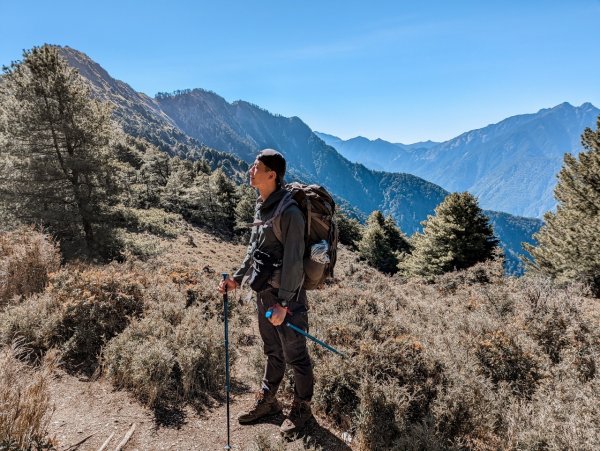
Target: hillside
[(407, 198), (471, 361)]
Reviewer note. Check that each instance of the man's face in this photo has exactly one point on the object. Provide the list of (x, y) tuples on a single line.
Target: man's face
[(260, 175)]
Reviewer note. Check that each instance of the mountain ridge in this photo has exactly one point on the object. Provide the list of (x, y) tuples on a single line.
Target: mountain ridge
[(510, 165)]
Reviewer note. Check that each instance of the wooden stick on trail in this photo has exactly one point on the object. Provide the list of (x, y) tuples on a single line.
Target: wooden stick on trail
[(126, 438), (106, 442)]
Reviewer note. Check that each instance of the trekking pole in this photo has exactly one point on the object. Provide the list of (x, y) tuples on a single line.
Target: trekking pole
[(268, 315), (227, 388)]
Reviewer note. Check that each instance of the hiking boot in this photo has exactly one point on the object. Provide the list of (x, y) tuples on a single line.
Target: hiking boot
[(264, 405), (300, 414)]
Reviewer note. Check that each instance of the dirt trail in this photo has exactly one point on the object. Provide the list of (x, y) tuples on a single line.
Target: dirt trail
[(84, 407)]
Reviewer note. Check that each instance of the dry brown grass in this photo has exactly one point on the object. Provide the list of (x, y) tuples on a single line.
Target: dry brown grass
[(27, 257), (473, 361), (82, 308), (174, 353), (25, 406)]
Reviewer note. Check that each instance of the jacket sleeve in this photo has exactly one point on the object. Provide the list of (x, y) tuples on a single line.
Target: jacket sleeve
[(238, 276), (292, 270)]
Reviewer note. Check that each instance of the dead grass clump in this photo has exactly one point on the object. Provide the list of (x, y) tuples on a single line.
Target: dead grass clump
[(379, 415), (488, 272), (138, 245), (27, 258), (152, 220), (141, 360), (200, 353), (586, 353), (80, 311), (468, 411), (337, 385), (401, 362), (34, 322), (96, 305), (504, 360), (551, 333), (561, 416), (25, 406), (170, 355), (384, 390)]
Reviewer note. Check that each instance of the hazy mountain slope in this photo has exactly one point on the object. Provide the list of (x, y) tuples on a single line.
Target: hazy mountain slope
[(407, 198), (511, 166), (251, 128)]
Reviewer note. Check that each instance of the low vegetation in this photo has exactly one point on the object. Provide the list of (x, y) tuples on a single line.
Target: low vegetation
[(472, 360), (26, 260), (25, 404)]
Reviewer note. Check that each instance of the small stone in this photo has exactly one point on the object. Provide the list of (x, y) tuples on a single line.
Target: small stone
[(347, 437)]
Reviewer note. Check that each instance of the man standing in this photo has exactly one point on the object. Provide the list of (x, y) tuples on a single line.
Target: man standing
[(283, 295)]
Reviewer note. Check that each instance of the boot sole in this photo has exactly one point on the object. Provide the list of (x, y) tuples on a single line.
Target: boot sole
[(257, 420)]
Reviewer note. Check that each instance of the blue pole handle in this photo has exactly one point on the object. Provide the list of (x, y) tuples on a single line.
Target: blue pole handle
[(269, 314)]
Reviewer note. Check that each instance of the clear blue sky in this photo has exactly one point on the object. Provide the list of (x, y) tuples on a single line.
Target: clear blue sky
[(403, 71)]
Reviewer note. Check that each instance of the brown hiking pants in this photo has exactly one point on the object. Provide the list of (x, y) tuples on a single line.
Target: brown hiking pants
[(283, 345)]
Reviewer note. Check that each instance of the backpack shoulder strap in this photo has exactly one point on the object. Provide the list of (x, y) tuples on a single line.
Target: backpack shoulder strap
[(275, 220)]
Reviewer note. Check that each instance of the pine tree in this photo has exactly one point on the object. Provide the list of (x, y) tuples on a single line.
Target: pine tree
[(456, 237), (226, 200), (397, 239), (180, 179), (375, 248), (245, 209), (349, 229), (57, 162), (568, 246)]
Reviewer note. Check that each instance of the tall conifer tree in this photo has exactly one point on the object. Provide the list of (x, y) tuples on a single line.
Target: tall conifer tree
[(456, 237), (349, 229), (57, 163), (382, 242), (568, 246)]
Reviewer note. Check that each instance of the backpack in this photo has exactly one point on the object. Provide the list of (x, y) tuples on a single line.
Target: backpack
[(321, 235)]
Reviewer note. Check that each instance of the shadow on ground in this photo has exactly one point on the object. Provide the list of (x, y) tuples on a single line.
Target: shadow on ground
[(316, 436)]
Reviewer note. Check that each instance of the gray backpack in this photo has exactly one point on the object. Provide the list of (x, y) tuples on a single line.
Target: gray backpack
[(321, 235)]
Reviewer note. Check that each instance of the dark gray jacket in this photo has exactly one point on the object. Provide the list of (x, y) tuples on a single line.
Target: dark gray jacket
[(290, 251)]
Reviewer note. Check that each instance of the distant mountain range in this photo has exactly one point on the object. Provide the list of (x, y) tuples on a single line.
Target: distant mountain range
[(192, 123), (510, 166)]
